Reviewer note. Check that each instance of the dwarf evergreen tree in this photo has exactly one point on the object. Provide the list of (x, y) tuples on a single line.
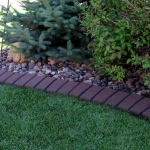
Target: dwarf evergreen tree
[(46, 28)]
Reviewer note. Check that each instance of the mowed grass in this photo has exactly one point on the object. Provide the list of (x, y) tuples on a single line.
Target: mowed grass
[(33, 120)]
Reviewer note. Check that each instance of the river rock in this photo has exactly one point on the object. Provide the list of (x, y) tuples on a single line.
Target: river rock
[(37, 68), (53, 61), (89, 75), (32, 72), (16, 57), (24, 65), (48, 71)]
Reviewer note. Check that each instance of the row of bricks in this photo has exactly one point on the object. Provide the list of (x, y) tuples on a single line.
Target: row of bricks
[(137, 104)]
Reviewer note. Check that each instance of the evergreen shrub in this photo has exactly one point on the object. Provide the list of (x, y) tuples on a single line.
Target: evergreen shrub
[(120, 31), (46, 28)]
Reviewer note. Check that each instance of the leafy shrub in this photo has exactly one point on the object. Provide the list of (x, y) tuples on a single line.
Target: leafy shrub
[(119, 29)]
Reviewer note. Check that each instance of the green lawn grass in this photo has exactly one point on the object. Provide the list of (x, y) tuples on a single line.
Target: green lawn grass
[(33, 120)]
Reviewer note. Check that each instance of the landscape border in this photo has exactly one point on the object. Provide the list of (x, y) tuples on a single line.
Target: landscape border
[(138, 105)]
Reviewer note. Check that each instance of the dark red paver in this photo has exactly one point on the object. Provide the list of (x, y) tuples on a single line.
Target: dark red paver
[(129, 101), (23, 80), (146, 113), (45, 83), (141, 106), (14, 78), (68, 87), (54, 87), (122, 100), (104, 95), (91, 92), (34, 81), (2, 71), (80, 89), (116, 98), (5, 76)]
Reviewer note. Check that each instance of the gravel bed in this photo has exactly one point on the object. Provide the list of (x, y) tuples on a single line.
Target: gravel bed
[(78, 73)]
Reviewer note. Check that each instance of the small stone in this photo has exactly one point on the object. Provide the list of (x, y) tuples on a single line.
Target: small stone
[(4, 63), (78, 70), (89, 75), (115, 87), (66, 70), (94, 72), (98, 77), (24, 65), (91, 78), (143, 92), (77, 64), (31, 66), (129, 84), (70, 73), (32, 72), (95, 84), (24, 69), (17, 69), (10, 69), (8, 60), (56, 76), (39, 64), (7, 64), (32, 61), (61, 65), (137, 86), (83, 65), (139, 93), (19, 66), (48, 71), (37, 68), (67, 79), (75, 79), (53, 61), (104, 85), (45, 67), (40, 73), (110, 83), (87, 81), (60, 72), (71, 79), (12, 66)]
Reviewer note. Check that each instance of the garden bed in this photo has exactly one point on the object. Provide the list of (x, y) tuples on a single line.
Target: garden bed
[(133, 83)]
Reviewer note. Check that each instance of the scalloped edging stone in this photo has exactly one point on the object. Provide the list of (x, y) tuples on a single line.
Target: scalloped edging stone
[(136, 104)]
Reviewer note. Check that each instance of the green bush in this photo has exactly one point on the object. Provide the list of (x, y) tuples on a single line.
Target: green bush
[(46, 28), (119, 30)]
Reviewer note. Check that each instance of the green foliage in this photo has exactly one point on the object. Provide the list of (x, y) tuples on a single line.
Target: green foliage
[(119, 29), (33, 120), (46, 26), (71, 53)]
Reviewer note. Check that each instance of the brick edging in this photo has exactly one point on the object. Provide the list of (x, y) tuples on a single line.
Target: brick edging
[(134, 103)]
